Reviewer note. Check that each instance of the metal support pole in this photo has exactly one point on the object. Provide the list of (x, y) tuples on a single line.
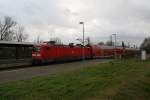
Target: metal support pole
[(111, 40), (83, 43), (115, 46), (83, 52), (115, 53)]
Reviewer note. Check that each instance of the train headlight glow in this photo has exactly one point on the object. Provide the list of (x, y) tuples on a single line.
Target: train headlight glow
[(38, 55), (33, 54)]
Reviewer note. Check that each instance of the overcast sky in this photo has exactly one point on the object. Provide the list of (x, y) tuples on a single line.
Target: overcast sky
[(129, 19)]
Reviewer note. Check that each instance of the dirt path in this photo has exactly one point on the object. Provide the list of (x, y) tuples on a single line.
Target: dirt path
[(30, 72)]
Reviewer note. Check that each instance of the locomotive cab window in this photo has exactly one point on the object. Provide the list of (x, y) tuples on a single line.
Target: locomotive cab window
[(36, 49)]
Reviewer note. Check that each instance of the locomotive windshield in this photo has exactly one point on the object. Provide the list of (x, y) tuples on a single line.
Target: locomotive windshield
[(36, 49)]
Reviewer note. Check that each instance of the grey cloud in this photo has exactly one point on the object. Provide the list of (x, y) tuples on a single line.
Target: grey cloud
[(129, 18)]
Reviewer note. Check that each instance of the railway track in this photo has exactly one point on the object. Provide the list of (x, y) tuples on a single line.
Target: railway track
[(44, 70)]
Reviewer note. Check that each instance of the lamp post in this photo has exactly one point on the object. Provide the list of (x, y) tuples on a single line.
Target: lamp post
[(83, 57), (111, 40), (115, 36)]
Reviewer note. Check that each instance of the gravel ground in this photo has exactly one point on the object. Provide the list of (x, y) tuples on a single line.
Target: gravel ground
[(34, 71)]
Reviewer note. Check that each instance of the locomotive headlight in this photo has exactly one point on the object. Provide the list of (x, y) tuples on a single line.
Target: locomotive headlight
[(38, 55), (33, 54)]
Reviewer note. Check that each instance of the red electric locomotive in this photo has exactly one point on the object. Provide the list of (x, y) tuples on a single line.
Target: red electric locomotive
[(53, 52)]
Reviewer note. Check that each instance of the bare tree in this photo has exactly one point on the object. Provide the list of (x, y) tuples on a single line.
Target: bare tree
[(146, 44), (101, 43), (20, 35), (38, 39), (56, 40), (6, 28), (88, 41), (109, 43)]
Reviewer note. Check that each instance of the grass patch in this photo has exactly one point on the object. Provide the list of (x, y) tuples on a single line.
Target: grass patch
[(117, 80)]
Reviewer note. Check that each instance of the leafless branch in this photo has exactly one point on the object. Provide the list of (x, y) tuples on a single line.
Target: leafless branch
[(20, 35), (6, 32)]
